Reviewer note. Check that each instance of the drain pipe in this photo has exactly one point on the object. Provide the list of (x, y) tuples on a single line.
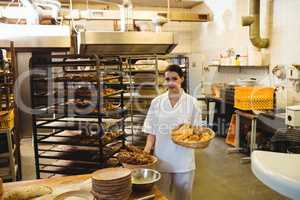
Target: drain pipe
[(253, 21)]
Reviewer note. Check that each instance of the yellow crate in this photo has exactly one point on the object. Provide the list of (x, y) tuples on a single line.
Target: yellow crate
[(254, 98), (7, 119)]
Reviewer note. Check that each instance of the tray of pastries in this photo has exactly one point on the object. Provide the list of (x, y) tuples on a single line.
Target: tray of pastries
[(133, 157), (196, 137), (110, 136), (85, 78), (87, 93)]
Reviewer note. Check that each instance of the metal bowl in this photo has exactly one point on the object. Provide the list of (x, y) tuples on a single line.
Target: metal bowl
[(144, 179)]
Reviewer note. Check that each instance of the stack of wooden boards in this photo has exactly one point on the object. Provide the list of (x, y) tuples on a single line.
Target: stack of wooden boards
[(112, 184)]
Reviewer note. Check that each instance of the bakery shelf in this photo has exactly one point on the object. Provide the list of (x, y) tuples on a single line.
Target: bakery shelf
[(6, 155), (76, 80), (74, 62), (240, 67), (87, 79), (73, 112), (55, 120), (73, 124), (6, 84), (68, 163), (65, 64), (54, 95), (134, 71), (66, 170), (74, 139), (61, 125), (136, 96), (7, 102), (113, 93), (75, 154), (143, 84), (5, 73)]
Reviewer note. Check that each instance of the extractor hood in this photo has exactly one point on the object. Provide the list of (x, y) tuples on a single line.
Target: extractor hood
[(125, 43), (29, 37)]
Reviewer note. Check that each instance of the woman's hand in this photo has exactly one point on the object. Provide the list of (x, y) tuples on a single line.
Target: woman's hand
[(149, 144), (148, 151)]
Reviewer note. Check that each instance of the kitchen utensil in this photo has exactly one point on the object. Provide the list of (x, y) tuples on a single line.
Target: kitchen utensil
[(144, 179), (151, 196)]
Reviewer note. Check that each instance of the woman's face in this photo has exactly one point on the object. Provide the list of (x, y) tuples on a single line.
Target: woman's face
[(173, 80)]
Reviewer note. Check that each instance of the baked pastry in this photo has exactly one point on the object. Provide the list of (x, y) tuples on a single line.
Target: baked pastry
[(108, 91), (134, 156), (191, 134), (27, 192), (110, 136)]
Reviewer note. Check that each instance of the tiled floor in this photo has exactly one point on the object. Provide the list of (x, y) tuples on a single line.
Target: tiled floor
[(218, 176), (221, 176)]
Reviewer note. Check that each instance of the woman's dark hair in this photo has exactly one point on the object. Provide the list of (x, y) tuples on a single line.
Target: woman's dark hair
[(175, 68)]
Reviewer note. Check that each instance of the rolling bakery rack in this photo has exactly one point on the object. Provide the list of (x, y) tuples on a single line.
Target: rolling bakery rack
[(145, 81), (10, 159), (77, 126)]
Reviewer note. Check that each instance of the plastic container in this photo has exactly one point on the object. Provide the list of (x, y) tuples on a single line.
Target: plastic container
[(7, 119), (254, 98)]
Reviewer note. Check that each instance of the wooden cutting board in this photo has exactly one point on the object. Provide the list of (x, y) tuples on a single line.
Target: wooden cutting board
[(112, 174)]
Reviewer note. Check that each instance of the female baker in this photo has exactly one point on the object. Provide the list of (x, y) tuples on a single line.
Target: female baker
[(168, 110)]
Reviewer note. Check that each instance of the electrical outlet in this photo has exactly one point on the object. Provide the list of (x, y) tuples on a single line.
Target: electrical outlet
[(297, 86), (194, 64)]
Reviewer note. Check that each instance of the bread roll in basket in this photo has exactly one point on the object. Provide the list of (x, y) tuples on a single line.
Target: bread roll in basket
[(195, 137)]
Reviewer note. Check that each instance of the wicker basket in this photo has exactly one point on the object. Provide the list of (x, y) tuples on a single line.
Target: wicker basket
[(7, 119), (196, 145), (148, 166)]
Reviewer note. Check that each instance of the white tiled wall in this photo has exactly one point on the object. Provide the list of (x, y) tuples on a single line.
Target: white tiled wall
[(225, 31), (183, 35)]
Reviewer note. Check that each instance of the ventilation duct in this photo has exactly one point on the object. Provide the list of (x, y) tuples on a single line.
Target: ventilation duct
[(40, 9), (33, 18), (253, 21), (124, 42)]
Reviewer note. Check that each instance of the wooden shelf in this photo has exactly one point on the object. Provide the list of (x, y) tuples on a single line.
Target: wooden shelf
[(294, 79), (240, 67)]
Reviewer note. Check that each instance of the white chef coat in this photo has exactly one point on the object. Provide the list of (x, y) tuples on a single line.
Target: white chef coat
[(160, 120)]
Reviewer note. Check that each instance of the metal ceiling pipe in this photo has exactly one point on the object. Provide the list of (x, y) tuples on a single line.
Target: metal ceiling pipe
[(33, 18), (125, 7), (253, 21), (126, 15), (158, 22), (53, 6)]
